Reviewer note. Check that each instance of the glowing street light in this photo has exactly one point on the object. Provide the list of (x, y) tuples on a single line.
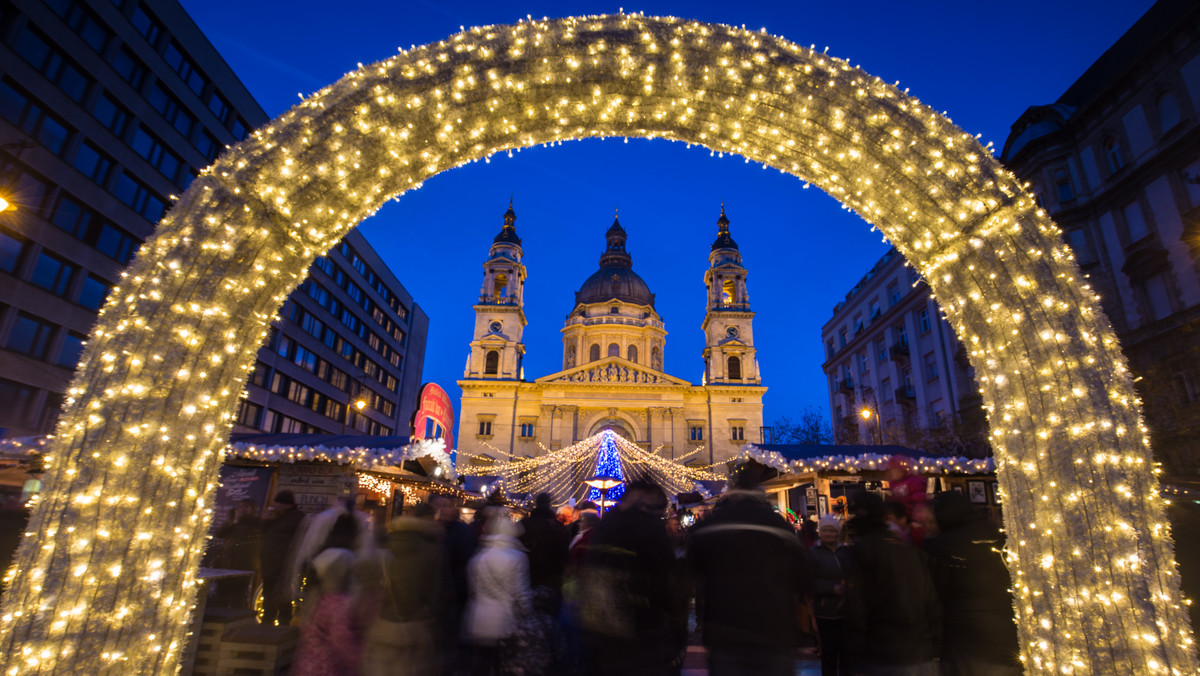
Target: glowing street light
[(604, 483), (5, 205), (866, 414)]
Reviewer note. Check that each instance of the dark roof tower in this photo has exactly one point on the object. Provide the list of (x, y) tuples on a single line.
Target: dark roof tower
[(724, 240), (615, 280), (508, 233)]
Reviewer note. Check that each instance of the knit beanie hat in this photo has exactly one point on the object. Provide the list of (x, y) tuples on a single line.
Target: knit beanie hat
[(830, 521)]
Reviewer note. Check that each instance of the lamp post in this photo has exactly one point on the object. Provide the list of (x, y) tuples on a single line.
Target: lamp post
[(604, 483), (358, 401), (866, 414)]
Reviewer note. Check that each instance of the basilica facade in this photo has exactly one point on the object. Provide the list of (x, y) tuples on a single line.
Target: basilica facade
[(612, 376)]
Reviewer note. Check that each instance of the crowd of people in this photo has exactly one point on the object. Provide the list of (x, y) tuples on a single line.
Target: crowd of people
[(911, 587)]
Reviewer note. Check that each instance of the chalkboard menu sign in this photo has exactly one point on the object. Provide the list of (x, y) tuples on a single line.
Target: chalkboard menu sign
[(237, 484), (317, 486)]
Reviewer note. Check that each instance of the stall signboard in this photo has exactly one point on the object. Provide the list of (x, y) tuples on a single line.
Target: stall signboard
[(237, 484), (317, 485), (434, 418)]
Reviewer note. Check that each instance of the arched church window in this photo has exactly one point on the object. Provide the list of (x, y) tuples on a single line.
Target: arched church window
[(632, 353), (735, 368), (500, 287), (594, 353), (728, 290), (614, 350), (491, 363)]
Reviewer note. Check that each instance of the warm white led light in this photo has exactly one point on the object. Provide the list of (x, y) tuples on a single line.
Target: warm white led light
[(208, 282)]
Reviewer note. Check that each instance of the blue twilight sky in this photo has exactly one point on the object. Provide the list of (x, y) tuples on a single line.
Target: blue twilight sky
[(983, 63)]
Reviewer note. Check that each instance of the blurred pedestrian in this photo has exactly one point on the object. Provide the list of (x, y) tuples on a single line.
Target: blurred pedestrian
[(893, 618), (458, 542), (979, 633), (545, 539), (498, 579), (907, 487), (627, 590), (751, 573), (331, 636), (278, 534), (409, 589), (830, 561), (241, 537)]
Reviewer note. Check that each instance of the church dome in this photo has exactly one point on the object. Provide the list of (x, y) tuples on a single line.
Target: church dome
[(615, 283), (615, 280)]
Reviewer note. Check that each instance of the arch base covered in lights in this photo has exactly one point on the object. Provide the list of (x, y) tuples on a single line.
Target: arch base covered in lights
[(108, 584)]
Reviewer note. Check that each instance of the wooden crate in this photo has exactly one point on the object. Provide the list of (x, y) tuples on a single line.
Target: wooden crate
[(257, 650), (217, 623)]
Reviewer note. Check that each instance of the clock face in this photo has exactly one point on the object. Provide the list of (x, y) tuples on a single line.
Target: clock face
[(732, 332), (496, 326)]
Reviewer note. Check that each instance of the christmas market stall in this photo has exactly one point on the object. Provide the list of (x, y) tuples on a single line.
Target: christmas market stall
[(810, 480)]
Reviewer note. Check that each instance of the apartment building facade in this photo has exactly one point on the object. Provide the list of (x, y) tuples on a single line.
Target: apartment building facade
[(108, 108), (1116, 162), (895, 370)]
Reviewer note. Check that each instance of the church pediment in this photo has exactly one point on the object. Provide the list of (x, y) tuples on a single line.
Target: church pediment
[(613, 370)]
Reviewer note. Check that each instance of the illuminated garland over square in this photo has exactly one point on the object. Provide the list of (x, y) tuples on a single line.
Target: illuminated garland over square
[(108, 583)]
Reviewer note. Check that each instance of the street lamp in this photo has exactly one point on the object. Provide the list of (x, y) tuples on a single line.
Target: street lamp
[(5, 205), (866, 414), (604, 483)]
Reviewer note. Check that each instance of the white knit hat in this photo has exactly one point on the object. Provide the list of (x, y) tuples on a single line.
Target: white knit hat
[(830, 521)]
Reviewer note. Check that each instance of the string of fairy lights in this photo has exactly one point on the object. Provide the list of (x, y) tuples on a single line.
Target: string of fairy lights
[(562, 473), (108, 583)]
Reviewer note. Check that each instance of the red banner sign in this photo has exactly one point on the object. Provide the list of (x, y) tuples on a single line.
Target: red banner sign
[(434, 418)]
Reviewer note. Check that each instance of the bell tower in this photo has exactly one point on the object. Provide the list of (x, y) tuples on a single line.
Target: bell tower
[(729, 354), (496, 349)]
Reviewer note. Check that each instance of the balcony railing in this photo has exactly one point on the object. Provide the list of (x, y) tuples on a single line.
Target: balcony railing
[(846, 384), (898, 351), (492, 300), (905, 393)]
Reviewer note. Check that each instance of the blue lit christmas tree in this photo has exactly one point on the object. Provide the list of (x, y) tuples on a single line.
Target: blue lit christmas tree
[(608, 464)]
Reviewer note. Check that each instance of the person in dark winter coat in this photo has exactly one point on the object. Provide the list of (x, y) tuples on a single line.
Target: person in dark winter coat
[(831, 561), (751, 570), (893, 617), (980, 636), (278, 531), (627, 589), (546, 540), (240, 541)]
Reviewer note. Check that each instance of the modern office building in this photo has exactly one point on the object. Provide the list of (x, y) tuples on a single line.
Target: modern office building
[(896, 372), (108, 108), (614, 347), (1116, 162)]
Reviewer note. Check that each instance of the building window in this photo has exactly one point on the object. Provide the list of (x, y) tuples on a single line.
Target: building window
[(696, 433), (110, 114), (931, 371), (1135, 222), (737, 433), (183, 65), (632, 353), (893, 292), (11, 249), (829, 349), (883, 352), (863, 364), (491, 363), (93, 293), (901, 336), (594, 353), (93, 163), (52, 274), (72, 347), (129, 67), (842, 335), (527, 430), (735, 368), (485, 428), (248, 413), (1079, 244), (30, 335), (614, 350), (1112, 154), (924, 321), (138, 197), (32, 119), (171, 109), (937, 417), (155, 152), (1168, 112), (1158, 300), (1062, 184)]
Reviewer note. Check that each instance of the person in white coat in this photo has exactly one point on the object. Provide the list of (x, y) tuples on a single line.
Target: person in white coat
[(498, 580)]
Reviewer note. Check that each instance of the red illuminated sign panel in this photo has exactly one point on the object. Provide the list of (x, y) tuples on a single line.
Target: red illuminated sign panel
[(434, 418)]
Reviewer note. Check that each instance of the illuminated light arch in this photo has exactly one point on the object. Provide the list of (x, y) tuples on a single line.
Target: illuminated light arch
[(109, 583)]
